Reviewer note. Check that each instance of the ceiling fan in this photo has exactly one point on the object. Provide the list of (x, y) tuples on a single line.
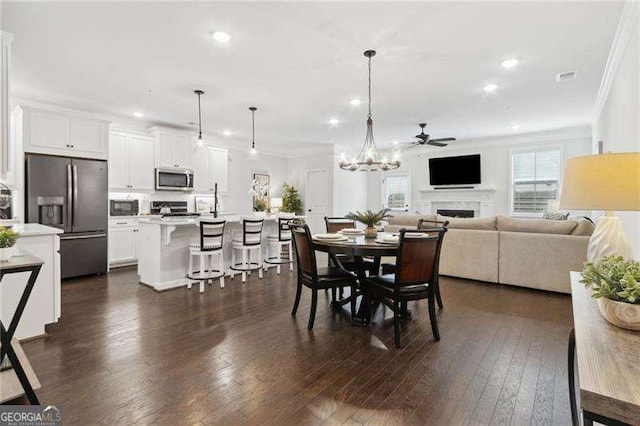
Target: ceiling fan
[(425, 139)]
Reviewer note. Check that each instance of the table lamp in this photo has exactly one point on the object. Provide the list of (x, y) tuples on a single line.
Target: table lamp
[(603, 182), (276, 205)]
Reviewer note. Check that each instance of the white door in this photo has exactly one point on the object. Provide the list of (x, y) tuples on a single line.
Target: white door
[(118, 161), (141, 172), (317, 199), (48, 130), (86, 136), (201, 167), (167, 150), (220, 168)]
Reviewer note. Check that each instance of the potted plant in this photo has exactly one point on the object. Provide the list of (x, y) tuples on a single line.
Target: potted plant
[(260, 207), (291, 201), (616, 284), (8, 238), (370, 219)]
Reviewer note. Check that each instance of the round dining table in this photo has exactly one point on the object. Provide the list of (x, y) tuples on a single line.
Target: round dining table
[(358, 247)]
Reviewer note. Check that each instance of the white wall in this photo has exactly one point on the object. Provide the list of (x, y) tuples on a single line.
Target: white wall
[(494, 157), (617, 118)]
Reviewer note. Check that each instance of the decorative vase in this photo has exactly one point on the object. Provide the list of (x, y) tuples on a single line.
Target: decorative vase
[(370, 232), (261, 215), (620, 314), (5, 254)]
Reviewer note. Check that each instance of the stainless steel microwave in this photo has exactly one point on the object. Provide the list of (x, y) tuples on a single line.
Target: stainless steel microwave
[(123, 207), (174, 179)]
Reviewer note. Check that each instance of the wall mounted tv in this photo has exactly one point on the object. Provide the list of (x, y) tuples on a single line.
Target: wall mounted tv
[(461, 170)]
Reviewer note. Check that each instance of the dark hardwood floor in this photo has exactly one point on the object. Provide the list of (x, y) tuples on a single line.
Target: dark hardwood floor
[(123, 354)]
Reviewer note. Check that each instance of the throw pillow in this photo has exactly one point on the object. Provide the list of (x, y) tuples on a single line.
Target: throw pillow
[(555, 215)]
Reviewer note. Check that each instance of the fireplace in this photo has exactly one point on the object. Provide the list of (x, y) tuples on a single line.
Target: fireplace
[(456, 213)]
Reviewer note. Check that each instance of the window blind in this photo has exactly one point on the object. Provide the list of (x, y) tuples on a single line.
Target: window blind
[(535, 178)]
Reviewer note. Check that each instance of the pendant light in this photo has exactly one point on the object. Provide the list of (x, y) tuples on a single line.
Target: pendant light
[(369, 158), (252, 152), (199, 140)]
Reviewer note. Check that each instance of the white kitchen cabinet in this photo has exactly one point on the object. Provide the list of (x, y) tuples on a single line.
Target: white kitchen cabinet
[(131, 161), (60, 133), (5, 90), (173, 148), (210, 166), (142, 164), (123, 242), (119, 163), (221, 169)]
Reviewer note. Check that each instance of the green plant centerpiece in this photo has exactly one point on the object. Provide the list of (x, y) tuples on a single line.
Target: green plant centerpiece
[(291, 201), (8, 238), (260, 205), (370, 219), (615, 282)]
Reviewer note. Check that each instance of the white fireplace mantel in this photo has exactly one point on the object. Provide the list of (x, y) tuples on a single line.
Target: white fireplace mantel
[(480, 200)]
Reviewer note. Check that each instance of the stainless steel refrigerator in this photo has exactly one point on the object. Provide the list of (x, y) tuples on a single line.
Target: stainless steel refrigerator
[(71, 194)]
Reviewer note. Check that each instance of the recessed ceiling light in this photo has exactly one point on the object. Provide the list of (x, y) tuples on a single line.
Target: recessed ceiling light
[(333, 121), (355, 102), (395, 142), (138, 114), (227, 133), (490, 87), (510, 63), (221, 37), (515, 126)]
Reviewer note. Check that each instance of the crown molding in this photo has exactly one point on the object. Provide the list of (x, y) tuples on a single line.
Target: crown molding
[(627, 24)]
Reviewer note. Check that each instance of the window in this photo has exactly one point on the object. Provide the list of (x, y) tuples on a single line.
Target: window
[(396, 192), (535, 179)]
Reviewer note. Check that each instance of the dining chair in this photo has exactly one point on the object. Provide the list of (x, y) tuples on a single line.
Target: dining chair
[(425, 226), (415, 276), (335, 224), (312, 277)]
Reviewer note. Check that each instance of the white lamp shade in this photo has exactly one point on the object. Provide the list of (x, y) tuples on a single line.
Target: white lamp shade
[(602, 182), (276, 202)]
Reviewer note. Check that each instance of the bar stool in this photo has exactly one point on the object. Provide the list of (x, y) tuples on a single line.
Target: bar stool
[(278, 242), (250, 240), (209, 246)]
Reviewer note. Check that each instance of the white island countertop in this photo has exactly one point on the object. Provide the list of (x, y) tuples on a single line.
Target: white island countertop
[(34, 229), (181, 221)]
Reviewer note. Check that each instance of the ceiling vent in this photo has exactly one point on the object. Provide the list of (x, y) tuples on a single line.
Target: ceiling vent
[(565, 76)]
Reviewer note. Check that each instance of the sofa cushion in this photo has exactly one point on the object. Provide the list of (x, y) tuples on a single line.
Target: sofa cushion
[(584, 227), (479, 223), (535, 226), (406, 221)]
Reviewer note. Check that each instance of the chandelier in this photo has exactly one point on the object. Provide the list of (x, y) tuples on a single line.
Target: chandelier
[(369, 158)]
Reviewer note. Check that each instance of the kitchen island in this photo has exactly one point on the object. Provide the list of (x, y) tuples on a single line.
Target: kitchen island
[(43, 306), (163, 259)]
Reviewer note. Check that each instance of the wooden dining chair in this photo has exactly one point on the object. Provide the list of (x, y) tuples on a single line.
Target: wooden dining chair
[(335, 224), (415, 276), (312, 277), (425, 226)]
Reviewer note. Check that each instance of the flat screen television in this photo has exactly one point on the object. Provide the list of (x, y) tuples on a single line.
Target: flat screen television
[(461, 170)]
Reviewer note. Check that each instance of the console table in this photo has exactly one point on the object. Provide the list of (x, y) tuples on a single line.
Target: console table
[(8, 345), (608, 360)]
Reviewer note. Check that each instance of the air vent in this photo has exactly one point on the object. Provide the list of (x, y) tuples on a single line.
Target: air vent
[(564, 76)]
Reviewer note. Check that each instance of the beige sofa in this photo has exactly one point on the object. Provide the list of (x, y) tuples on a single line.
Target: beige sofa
[(531, 253)]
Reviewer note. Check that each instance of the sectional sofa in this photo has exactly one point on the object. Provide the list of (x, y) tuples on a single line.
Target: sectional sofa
[(532, 253)]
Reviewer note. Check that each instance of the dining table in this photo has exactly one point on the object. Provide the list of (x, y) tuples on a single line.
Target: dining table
[(359, 248)]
